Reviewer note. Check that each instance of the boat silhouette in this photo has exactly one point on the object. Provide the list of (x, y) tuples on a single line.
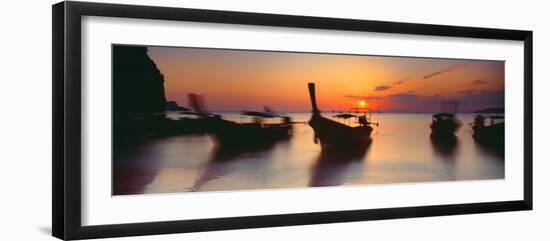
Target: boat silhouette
[(255, 133), (333, 133), (489, 134), (444, 126)]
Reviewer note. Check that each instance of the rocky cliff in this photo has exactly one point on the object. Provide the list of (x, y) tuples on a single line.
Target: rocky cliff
[(138, 85)]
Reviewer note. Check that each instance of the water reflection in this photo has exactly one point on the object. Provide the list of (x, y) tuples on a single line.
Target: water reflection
[(134, 169), (225, 159), (445, 146), (399, 153), (490, 150), (334, 166)]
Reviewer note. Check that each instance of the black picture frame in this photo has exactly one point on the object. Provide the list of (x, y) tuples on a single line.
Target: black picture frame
[(67, 134)]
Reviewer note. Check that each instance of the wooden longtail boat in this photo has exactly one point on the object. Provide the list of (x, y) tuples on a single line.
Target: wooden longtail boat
[(444, 125), (488, 127), (491, 134), (255, 133), (333, 133)]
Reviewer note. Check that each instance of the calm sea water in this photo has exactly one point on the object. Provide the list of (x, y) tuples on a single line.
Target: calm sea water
[(401, 152)]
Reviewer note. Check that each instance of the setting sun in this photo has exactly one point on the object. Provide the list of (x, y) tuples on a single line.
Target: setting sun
[(362, 103)]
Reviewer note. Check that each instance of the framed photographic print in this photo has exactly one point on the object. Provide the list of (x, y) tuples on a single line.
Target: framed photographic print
[(172, 120)]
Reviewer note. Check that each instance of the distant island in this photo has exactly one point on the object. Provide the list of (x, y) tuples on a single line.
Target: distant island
[(173, 106), (496, 110)]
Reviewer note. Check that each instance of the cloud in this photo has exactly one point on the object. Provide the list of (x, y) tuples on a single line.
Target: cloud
[(467, 92), (382, 88), (479, 82), (374, 98), (481, 99), (370, 97), (404, 96), (397, 82), (443, 71)]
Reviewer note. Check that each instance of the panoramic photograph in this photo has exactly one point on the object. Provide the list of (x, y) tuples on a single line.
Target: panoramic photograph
[(187, 119)]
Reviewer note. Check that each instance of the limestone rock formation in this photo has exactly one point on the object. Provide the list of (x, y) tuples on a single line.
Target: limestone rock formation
[(138, 85)]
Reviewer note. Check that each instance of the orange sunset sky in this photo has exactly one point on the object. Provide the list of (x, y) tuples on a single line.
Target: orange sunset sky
[(235, 80)]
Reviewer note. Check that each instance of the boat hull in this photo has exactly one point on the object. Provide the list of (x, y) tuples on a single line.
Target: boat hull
[(444, 128), (334, 134), (491, 136), (228, 133)]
